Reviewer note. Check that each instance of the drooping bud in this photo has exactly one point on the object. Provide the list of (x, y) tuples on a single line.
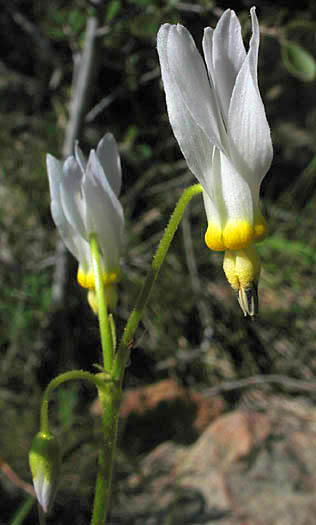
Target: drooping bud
[(45, 462), (111, 297), (242, 269)]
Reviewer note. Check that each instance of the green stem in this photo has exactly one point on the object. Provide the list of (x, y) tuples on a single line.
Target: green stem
[(105, 331), (134, 319), (110, 403), (62, 378), (110, 394), (110, 409), (22, 512), (41, 515)]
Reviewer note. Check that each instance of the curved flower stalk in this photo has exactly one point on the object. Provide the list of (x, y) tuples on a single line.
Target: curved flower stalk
[(219, 121), (84, 202)]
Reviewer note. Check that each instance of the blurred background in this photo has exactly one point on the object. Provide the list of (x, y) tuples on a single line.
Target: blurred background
[(193, 336)]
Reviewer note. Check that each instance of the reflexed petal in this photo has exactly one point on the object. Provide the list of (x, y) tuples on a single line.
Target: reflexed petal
[(95, 174), (214, 190), (248, 129), (207, 45), (193, 142), (74, 242), (83, 202), (235, 228), (104, 213), (229, 192), (188, 73), (224, 53), (236, 193), (211, 210), (55, 175), (71, 197), (80, 158), (65, 229), (254, 47), (109, 158), (81, 251)]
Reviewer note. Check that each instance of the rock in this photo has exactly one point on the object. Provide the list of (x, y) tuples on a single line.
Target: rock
[(165, 410), (144, 399), (246, 468)]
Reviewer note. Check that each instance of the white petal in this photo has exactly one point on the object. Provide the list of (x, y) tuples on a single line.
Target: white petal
[(193, 142), (187, 71), (95, 174), (80, 158), (211, 210), (71, 197), (248, 129), (237, 199), (104, 214), (55, 173), (229, 195), (68, 234), (215, 187), (42, 490), (74, 242), (207, 45), (224, 53), (109, 158), (82, 254)]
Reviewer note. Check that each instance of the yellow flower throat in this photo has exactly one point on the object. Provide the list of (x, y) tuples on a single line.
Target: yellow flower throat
[(236, 234), (86, 279)]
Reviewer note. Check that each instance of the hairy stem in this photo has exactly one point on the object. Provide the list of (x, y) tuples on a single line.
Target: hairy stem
[(96, 380), (134, 319)]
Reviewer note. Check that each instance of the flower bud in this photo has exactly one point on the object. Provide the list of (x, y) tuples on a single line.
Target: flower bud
[(45, 461), (111, 297)]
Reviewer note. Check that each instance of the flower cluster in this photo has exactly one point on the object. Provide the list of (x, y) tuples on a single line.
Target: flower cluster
[(219, 121)]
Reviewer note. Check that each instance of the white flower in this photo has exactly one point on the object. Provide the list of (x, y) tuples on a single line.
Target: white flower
[(218, 118), (84, 201), (219, 121)]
